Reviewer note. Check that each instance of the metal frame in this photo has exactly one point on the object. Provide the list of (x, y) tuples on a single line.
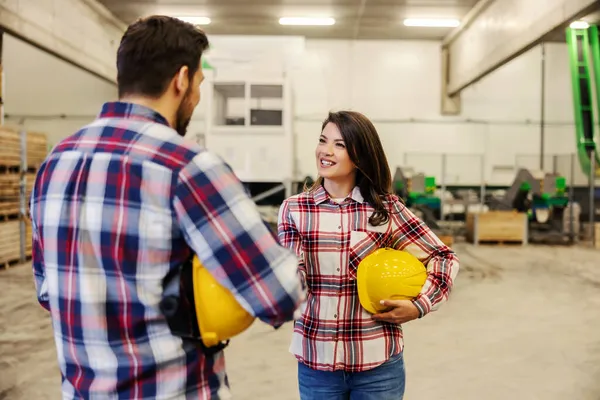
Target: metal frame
[(592, 182), (23, 195), (442, 179)]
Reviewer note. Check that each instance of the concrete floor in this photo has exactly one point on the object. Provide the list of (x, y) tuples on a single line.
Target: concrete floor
[(523, 323)]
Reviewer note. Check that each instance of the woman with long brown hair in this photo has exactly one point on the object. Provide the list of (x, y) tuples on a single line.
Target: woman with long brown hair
[(343, 351)]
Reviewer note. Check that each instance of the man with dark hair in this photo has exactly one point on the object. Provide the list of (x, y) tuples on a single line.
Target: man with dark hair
[(120, 205)]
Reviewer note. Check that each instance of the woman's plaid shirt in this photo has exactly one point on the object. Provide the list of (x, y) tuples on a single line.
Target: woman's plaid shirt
[(331, 238)]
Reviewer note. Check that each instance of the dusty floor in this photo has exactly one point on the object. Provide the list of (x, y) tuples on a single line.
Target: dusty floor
[(523, 323)]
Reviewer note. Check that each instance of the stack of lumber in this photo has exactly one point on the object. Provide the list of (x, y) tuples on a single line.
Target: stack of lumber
[(10, 148), (12, 172), (10, 241)]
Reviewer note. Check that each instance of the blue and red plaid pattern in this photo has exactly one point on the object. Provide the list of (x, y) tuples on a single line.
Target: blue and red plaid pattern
[(334, 332), (116, 207)]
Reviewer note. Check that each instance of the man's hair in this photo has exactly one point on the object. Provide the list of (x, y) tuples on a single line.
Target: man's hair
[(151, 52)]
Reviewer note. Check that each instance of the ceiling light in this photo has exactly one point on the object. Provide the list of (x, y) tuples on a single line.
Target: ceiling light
[(195, 20), (306, 21), (579, 25), (432, 22)]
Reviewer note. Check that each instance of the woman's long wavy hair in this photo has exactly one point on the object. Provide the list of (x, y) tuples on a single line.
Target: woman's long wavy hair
[(373, 176)]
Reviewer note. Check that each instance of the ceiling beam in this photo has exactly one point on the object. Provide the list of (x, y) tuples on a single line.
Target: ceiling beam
[(82, 32), (361, 12), (496, 31)]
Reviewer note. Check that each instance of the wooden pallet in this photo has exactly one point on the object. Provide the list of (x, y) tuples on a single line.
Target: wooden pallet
[(10, 241), (448, 240), (501, 242), (10, 148), (10, 185), (497, 226), (37, 149), (9, 208)]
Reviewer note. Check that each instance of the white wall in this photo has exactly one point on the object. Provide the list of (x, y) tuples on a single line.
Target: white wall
[(39, 87), (396, 82), (397, 85)]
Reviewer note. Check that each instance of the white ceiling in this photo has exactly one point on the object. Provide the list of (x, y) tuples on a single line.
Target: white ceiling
[(360, 19)]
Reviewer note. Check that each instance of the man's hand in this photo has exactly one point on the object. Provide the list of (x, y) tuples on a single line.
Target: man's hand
[(402, 311)]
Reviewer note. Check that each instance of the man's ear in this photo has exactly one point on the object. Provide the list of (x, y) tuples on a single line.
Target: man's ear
[(182, 79)]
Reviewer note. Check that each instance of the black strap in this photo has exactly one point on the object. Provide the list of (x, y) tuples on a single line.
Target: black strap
[(178, 306)]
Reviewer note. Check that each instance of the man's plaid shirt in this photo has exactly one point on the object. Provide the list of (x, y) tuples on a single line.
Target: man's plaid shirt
[(115, 208)]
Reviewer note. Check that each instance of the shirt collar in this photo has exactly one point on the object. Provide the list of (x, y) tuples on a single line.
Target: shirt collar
[(119, 109), (320, 195)]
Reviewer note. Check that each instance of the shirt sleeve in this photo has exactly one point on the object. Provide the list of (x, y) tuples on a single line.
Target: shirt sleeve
[(414, 236), (223, 227), (37, 262), (289, 236)]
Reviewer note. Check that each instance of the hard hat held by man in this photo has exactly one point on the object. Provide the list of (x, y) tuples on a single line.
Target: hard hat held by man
[(369, 263)]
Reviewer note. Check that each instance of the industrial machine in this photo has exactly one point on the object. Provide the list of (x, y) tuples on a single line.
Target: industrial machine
[(542, 196), (584, 59), (418, 191)]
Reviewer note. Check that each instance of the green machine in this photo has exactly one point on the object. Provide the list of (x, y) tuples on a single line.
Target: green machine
[(584, 55), (540, 191), (543, 197), (418, 191)]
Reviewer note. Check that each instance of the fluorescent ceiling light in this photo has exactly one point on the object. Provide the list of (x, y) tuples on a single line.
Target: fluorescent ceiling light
[(432, 22), (195, 20), (306, 21), (579, 25)]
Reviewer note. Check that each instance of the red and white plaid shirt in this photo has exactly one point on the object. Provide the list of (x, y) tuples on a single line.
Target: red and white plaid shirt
[(331, 238)]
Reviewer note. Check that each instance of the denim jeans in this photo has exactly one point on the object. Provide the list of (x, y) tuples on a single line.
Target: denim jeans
[(385, 382)]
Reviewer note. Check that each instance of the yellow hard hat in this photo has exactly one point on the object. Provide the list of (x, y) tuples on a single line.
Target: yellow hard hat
[(220, 316), (389, 274)]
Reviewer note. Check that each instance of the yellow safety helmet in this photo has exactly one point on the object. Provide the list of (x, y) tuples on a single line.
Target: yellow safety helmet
[(197, 307), (389, 274), (220, 316)]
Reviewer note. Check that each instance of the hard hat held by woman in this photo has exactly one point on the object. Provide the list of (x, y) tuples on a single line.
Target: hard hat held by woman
[(389, 274)]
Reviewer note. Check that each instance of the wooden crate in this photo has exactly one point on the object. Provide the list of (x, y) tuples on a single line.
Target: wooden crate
[(597, 235), (497, 226), (10, 148), (10, 241)]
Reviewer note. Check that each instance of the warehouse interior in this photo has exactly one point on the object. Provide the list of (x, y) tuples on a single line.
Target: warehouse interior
[(490, 127)]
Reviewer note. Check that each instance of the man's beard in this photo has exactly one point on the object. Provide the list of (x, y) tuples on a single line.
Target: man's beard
[(182, 120)]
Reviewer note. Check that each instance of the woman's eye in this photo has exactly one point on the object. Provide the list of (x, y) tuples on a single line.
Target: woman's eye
[(340, 145), (321, 140)]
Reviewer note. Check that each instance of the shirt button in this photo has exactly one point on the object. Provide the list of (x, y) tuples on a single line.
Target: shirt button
[(334, 315), (338, 269)]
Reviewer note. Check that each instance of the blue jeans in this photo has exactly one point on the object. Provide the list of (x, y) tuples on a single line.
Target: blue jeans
[(385, 382)]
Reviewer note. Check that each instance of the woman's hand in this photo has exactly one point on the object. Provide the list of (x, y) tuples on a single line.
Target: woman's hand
[(402, 311)]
